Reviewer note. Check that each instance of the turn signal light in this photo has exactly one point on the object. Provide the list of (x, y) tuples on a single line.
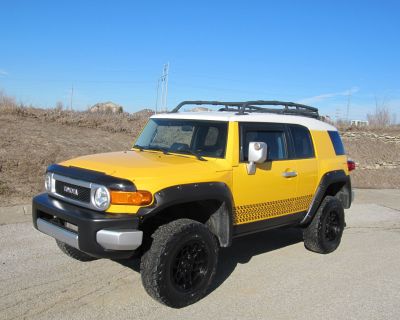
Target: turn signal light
[(138, 198)]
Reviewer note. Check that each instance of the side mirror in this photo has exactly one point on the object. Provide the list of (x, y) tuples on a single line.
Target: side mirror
[(257, 154)]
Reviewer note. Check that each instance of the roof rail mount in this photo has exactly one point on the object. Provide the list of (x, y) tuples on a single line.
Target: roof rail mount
[(260, 106)]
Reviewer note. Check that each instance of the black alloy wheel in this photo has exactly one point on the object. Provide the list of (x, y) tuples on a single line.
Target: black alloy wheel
[(332, 226), (190, 266)]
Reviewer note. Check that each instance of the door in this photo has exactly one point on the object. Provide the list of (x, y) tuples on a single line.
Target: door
[(271, 191)]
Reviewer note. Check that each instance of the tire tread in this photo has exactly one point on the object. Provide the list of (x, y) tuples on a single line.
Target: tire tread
[(152, 262), (312, 233)]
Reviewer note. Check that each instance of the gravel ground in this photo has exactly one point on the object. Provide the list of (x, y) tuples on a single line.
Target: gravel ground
[(265, 276)]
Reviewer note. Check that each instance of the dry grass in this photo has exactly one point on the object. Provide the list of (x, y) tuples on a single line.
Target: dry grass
[(29, 145), (110, 122)]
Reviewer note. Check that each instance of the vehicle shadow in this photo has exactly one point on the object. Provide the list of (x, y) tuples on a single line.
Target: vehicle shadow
[(241, 251), (246, 247), (133, 263)]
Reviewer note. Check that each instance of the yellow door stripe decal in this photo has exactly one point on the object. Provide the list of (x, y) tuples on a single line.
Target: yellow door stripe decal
[(273, 209)]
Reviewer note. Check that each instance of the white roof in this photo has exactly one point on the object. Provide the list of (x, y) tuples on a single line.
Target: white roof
[(310, 123)]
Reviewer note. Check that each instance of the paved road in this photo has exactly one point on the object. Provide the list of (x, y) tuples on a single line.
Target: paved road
[(264, 276)]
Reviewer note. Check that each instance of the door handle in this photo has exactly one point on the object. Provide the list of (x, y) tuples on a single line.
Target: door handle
[(289, 174)]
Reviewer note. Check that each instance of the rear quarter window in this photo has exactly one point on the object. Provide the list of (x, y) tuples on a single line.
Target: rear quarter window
[(302, 143), (337, 143)]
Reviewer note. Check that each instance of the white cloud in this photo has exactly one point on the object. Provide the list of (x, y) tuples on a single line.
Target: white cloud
[(3, 72), (325, 96)]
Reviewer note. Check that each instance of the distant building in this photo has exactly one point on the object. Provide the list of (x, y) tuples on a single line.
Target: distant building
[(359, 123), (109, 106)]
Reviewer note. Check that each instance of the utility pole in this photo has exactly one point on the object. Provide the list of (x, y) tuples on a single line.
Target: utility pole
[(338, 115), (162, 93), (348, 105), (158, 88), (166, 71), (164, 89)]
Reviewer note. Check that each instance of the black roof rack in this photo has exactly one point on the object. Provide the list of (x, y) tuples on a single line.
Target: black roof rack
[(246, 107)]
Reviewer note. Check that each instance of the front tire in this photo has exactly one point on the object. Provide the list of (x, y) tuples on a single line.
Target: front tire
[(74, 253), (324, 233), (181, 263)]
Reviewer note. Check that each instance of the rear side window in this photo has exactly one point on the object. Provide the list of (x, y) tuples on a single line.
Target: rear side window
[(303, 147), (337, 143)]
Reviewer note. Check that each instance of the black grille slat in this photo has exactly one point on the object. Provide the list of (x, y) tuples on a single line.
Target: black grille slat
[(83, 193)]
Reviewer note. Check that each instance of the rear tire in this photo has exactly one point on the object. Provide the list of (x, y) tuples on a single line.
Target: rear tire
[(324, 233), (181, 263), (74, 253)]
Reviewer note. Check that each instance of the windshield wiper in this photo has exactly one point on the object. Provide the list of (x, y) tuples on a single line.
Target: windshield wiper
[(152, 148), (194, 153), (166, 151), (163, 150)]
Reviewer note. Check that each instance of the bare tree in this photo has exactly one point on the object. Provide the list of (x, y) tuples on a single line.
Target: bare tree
[(381, 117), (59, 106), (394, 119), (7, 102)]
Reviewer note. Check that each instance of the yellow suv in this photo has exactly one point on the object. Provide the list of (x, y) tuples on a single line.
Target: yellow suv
[(195, 181)]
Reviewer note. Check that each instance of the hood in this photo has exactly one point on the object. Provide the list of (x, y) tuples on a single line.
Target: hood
[(143, 167)]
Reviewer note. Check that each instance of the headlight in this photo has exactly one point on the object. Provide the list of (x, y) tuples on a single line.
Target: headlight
[(47, 182), (101, 198)]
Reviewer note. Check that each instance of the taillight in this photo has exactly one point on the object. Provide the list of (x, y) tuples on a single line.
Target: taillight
[(351, 165)]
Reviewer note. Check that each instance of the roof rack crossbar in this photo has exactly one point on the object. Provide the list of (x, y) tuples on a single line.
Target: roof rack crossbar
[(242, 108), (200, 102)]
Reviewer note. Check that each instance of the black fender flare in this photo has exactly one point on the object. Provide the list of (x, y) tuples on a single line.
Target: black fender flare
[(328, 179), (220, 222)]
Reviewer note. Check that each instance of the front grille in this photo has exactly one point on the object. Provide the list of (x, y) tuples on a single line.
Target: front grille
[(73, 191)]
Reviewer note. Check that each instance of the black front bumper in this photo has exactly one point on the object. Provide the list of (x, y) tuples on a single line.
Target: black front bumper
[(88, 223)]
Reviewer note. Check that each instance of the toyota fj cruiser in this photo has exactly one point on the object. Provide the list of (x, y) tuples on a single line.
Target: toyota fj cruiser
[(195, 181)]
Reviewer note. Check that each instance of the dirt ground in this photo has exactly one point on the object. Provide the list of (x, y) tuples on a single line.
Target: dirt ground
[(28, 146), (377, 155), (31, 140)]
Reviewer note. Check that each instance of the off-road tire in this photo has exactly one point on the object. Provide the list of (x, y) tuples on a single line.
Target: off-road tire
[(324, 233), (74, 253), (177, 247)]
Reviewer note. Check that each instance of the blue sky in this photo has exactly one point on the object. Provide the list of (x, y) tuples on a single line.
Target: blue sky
[(305, 51)]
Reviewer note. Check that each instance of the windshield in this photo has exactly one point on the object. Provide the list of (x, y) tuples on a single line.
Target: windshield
[(200, 138)]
